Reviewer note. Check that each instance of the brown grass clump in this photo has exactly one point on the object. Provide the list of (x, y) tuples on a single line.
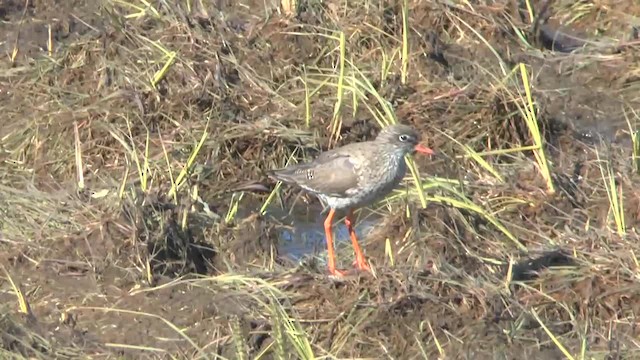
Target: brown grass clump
[(135, 220)]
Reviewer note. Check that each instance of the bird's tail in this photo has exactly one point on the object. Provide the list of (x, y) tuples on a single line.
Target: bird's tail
[(285, 175), (278, 175)]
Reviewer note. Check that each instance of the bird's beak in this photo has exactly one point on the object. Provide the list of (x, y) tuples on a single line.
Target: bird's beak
[(424, 150)]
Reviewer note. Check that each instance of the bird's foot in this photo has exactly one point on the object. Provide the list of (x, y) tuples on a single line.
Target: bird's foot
[(361, 264), (337, 273)]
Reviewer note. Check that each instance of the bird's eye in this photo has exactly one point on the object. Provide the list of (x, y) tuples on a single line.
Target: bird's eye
[(403, 137)]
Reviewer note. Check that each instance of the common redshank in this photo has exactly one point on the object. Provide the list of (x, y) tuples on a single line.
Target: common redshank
[(354, 176)]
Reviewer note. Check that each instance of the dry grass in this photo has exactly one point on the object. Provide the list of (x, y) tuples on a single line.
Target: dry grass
[(134, 219)]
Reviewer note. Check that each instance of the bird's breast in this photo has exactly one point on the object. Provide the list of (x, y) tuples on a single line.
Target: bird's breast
[(387, 174)]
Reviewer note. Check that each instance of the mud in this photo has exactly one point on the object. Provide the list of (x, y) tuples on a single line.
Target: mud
[(115, 270)]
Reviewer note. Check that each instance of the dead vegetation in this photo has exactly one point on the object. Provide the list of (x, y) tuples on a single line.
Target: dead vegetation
[(135, 219)]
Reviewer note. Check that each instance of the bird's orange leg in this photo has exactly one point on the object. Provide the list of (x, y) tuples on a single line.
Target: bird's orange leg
[(361, 262), (330, 254)]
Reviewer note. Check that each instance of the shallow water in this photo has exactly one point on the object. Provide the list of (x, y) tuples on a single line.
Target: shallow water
[(302, 235)]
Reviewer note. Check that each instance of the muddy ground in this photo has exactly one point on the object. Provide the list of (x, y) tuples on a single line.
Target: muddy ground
[(103, 104)]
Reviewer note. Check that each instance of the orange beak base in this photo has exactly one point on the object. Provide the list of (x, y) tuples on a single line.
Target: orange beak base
[(424, 150)]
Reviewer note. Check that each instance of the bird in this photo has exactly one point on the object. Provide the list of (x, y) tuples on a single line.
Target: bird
[(354, 176)]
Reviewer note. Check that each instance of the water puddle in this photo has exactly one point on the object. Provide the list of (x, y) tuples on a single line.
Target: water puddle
[(302, 232)]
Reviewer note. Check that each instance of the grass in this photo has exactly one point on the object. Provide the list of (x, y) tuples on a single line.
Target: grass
[(23, 304), (134, 219), (615, 197), (635, 140), (531, 120), (404, 71), (555, 340)]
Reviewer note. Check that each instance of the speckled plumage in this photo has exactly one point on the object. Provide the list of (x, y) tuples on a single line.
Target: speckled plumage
[(358, 174)]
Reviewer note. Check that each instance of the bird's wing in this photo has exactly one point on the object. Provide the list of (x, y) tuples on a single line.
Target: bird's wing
[(332, 173)]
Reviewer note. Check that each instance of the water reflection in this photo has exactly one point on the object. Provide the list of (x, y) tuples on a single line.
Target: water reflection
[(303, 234)]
